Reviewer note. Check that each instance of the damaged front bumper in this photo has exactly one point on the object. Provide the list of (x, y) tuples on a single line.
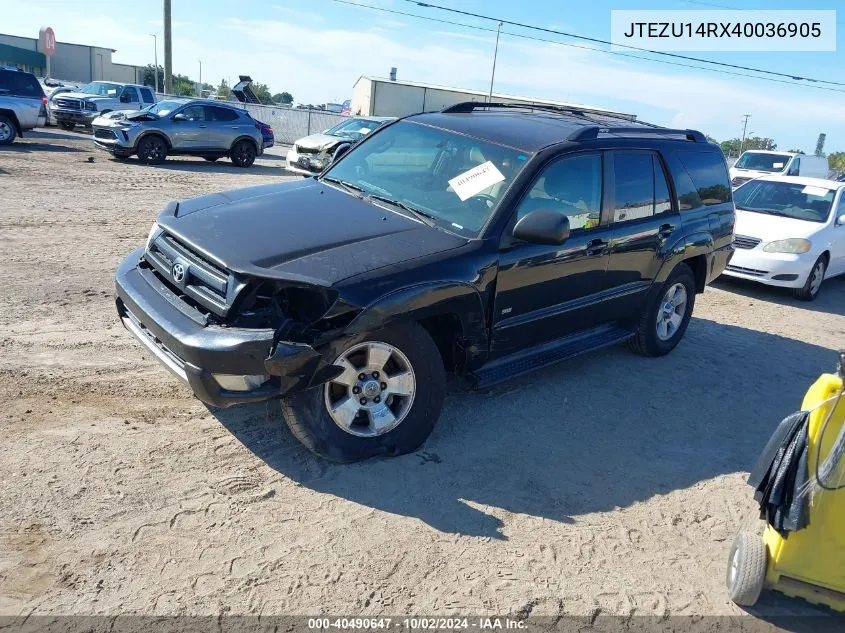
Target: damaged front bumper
[(222, 365)]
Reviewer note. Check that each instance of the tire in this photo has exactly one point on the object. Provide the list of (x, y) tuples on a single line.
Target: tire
[(8, 130), (243, 154), (67, 127), (746, 569), (307, 412), (210, 159), (648, 339), (811, 288), (152, 150)]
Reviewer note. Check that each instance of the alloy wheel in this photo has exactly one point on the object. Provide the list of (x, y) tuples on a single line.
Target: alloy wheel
[(375, 392), (5, 131), (671, 311), (816, 278)]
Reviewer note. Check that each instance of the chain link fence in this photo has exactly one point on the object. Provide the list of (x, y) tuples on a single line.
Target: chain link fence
[(288, 124)]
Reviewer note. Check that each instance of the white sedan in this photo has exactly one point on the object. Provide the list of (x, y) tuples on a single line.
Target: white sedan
[(790, 232)]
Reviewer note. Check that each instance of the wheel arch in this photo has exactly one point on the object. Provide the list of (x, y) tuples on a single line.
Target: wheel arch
[(14, 117), (162, 136), (692, 250), (451, 312), (244, 137)]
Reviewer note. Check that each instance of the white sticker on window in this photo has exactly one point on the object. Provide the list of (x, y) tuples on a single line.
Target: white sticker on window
[(815, 191), (777, 165), (475, 180)]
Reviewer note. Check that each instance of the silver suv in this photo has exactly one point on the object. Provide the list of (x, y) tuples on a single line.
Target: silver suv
[(21, 103), (196, 127), (96, 99)]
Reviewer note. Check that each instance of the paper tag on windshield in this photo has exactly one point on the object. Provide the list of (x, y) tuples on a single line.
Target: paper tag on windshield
[(475, 180), (777, 165), (815, 191)]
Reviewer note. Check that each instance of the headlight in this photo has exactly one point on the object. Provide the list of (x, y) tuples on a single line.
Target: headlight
[(317, 163), (794, 246), (153, 234), (90, 106)]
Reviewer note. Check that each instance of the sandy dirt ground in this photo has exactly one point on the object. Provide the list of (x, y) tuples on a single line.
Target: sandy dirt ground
[(613, 484)]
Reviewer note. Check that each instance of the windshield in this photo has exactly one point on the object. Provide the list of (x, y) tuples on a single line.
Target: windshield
[(353, 128), (455, 180), (801, 202), (164, 107), (101, 88), (763, 162)]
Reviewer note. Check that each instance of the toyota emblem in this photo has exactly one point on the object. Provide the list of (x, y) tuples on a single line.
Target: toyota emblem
[(178, 272)]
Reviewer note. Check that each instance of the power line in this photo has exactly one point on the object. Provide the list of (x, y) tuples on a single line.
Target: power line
[(579, 46), (636, 48)]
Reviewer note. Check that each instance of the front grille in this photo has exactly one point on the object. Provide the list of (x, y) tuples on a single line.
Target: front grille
[(736, 182), (306, 150), (748, 271), (69, 104), (204, 282), (746, 242), (107, 134)]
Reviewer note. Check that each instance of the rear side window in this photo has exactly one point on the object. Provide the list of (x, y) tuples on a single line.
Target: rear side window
[(640, 189), (213, 113), (20, 84), (710, 182), (147, 95)]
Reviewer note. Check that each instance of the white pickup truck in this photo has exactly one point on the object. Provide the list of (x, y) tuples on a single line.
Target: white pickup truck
[(96, 99)]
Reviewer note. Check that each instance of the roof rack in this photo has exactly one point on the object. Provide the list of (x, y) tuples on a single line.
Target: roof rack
[(591, 132), (465, 107)]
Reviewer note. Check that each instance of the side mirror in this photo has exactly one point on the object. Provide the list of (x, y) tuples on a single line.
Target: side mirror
[(180, 117), (542, 227), (340, 150), (840, 220)]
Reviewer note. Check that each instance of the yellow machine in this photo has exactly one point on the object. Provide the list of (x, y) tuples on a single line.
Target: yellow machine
[(810, 562)]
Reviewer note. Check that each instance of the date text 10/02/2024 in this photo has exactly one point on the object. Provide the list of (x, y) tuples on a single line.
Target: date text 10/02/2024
[(416, 624)]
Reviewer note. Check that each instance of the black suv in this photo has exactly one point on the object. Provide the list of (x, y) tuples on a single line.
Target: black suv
[(485, 239)]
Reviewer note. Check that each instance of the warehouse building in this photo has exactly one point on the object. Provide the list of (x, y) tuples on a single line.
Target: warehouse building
[(375, 96), (71, 62)]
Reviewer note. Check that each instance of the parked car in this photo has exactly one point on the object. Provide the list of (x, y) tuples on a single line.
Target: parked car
[(486, 239), (755, 163), (194, 127), (311, 154), (98, 98), (266, 133), (22, 104), (790, 232)]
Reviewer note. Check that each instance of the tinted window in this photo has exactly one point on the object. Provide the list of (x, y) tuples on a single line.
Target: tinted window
[(709, 176), (571, 186), (662, 200), (213, 113), (794, 167), (129, 95), (147, 94), (633, 174), (21, 84), (194, 113)]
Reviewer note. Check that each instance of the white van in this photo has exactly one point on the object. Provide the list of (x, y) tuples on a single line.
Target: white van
[(757, 162)]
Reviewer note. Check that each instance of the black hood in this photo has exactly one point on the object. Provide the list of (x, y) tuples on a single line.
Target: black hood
[(303, 231)]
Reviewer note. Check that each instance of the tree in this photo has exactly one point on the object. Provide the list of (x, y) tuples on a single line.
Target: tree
[(731, 147), (223, 90), (148, 76), (262, 92), (285, 98), (836, 160)]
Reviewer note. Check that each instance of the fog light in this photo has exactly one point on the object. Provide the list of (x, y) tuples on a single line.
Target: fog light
[(232, 382)]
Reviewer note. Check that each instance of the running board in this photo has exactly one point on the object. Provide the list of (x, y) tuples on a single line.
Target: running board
[(547, 354)]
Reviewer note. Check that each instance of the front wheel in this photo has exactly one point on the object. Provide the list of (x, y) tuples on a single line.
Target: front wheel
[(243, 154), (385, 402), (152, 150), (810, 290), (666, 316)]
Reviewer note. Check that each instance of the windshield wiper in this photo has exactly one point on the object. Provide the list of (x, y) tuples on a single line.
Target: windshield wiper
[(422, 216), (346, 185), (766, 211)]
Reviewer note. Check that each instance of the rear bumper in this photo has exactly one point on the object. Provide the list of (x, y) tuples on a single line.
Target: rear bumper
[(196, 353)]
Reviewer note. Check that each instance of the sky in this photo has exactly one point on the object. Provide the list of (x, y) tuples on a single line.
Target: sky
[(316, 50)]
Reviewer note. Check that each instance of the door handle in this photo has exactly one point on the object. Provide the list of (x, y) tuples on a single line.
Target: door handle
[(666, 230), (203, 126), (596, 247)]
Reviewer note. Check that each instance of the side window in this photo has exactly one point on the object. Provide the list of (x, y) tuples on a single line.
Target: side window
[(571, 186), (633, 179), (795, 167), (709, 178), (194, 113), (147, 95), (129, 95), (662, 199), (213, 113), (21, 84)]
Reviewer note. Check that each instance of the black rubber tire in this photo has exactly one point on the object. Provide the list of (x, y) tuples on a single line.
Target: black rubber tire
[(210, 159), (13, 130), (806, 292), (745, 585), (309, 421), (68, 127), (152, 150), (243, 154), (645, 340)]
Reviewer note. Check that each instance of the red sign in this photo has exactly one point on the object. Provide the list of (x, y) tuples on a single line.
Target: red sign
[(47, 41)]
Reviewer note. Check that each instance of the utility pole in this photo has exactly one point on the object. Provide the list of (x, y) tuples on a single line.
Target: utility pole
[(155, 56), (744, 127), (495, 54), (168, 51), (199, 91)]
